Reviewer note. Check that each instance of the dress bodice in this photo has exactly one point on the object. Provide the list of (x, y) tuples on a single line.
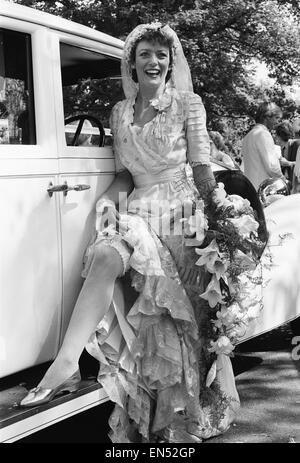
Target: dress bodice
[(175, 134)]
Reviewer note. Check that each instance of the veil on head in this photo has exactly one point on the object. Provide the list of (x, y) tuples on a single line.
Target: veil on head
[(180, 75)]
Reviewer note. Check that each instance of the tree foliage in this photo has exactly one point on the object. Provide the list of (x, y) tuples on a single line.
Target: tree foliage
[(221, 38)]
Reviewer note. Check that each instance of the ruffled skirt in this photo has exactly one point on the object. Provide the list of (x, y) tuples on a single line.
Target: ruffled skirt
[(153, 351)]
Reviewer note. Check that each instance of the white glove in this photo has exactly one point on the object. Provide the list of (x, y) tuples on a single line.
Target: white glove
[(106, 214), (102, 203)]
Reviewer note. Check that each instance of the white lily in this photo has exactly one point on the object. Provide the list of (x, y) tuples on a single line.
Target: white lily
[(213, 293), (220, 196), (245, 224), (211, 259), (240, 204)]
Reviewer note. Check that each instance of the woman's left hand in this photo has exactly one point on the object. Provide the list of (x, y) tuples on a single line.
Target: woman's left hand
[(204, 180)]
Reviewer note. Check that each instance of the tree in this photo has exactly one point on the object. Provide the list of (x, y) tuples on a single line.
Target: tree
[(220, 39)]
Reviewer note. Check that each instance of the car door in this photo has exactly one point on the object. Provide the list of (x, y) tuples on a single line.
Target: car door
[(30, 272), (87, 84)]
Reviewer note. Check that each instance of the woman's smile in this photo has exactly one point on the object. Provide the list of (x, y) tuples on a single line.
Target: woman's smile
[(152, 72)]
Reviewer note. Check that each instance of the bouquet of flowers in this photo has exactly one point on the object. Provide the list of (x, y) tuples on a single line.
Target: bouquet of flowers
[(230, 249)]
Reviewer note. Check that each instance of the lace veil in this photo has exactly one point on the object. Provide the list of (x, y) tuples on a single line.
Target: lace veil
[(180, 75)]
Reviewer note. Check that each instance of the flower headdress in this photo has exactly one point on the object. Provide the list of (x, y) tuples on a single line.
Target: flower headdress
[(180, 75)]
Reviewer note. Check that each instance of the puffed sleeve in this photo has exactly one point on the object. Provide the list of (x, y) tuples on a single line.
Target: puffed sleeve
[(198, 146), (113, 123)]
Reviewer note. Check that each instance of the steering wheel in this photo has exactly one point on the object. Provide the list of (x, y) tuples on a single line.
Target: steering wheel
[(81, 118)]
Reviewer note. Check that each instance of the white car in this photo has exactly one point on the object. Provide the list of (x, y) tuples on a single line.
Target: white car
[(48, 185), (50, 179), (58, 82)]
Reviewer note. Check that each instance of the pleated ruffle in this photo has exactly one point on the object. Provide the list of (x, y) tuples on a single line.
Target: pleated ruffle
[(149, 353)]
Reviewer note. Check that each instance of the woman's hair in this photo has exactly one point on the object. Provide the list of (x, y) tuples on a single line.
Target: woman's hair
[(153, 36), (284, 130), (266, 109)]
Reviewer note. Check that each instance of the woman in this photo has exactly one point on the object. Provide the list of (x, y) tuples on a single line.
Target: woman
[(296, 175), (289, 148), (296, 178), (157, 375), (216, 153)]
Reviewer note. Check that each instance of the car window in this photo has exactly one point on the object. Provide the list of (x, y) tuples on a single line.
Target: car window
[(17, 121), (91, 85)]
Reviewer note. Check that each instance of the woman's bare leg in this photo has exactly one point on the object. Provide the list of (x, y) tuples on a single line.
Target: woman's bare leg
[(92, 304)]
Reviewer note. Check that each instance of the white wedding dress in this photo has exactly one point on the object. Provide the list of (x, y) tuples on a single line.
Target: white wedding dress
[(154, 354)]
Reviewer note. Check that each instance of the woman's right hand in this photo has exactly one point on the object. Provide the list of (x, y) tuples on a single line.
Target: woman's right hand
[(106, 214), (103, 203)]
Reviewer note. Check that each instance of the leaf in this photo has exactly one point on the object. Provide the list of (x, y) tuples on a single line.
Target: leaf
[(211, 374)]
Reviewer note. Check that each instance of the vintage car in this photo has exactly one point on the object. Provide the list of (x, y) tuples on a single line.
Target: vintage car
[(58, 83), (50, 179)]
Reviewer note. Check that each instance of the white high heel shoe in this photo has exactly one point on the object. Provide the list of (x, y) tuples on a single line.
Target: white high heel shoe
[(41, 395)]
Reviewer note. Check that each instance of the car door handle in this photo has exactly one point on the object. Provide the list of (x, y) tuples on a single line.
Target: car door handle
[(79, 187), (65, 188)]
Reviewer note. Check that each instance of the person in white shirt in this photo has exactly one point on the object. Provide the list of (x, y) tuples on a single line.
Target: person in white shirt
[(258, 148)]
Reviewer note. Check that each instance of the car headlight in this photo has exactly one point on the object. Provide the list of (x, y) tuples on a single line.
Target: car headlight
[(272, 187)]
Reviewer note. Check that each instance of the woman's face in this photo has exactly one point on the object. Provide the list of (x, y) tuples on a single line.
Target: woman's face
[(152, 62), (279, 141), (272, 120)]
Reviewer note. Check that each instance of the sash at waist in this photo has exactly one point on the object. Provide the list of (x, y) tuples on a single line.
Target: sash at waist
[(167, 175)]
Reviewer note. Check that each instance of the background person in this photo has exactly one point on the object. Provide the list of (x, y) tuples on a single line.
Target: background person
[(296, 127), (259, 153), (289, 147), (296, 175), (218, 148)]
